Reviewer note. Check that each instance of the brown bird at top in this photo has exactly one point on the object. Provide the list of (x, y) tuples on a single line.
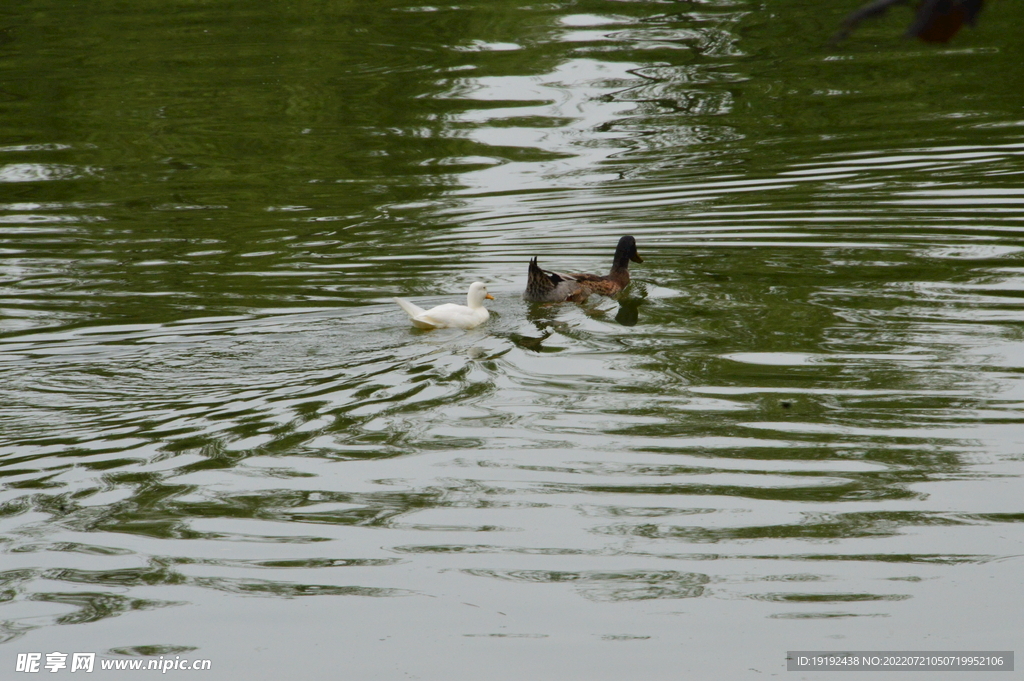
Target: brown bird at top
[(544, 286), (935, 21)]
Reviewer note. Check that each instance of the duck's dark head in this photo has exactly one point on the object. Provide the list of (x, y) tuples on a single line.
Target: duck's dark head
[(626, 251)]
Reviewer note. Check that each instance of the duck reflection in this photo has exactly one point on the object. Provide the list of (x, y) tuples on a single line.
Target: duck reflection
[(543, 317), (532, 342), (629, 311)]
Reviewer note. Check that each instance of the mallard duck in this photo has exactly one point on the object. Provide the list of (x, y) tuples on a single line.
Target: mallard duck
[(450, 315), (543, 286)]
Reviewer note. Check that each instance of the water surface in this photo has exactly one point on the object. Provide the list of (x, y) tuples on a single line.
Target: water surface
[(799, 428)]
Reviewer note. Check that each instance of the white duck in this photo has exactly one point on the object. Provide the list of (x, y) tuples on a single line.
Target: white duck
[(451, 315)]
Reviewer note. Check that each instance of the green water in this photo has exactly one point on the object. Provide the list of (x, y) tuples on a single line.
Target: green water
[(798, 429)]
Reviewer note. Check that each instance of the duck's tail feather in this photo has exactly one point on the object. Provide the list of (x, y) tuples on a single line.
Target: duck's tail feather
[(410, 309), (538, 282)]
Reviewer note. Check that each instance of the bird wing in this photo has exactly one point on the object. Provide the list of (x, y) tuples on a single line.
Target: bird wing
[(452, 315), (584, 278), (558, 277)]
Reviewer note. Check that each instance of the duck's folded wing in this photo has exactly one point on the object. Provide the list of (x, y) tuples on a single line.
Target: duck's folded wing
[(558, 277), (593, 283), (583, 276), (546, 278), (447, 315)]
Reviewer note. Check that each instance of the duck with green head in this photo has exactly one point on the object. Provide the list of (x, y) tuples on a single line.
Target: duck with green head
[(544, 286)]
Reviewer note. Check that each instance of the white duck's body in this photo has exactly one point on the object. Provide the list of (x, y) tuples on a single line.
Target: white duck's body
[(451, 315)]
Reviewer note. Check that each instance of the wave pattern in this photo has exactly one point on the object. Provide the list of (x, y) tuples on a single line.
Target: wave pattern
[(807, 406)]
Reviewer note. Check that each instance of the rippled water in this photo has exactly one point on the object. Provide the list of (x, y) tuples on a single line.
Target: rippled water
[(799, 429)]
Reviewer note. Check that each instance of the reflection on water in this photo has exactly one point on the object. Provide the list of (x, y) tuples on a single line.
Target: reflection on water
[(805, 409)]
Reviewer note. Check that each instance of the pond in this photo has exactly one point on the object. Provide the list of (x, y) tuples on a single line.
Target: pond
[(798, 429)]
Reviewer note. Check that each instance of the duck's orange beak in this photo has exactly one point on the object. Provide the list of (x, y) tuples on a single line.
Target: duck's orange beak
[(489, 297)]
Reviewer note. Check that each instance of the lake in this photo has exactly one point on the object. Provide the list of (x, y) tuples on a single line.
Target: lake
[(798, 429)]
